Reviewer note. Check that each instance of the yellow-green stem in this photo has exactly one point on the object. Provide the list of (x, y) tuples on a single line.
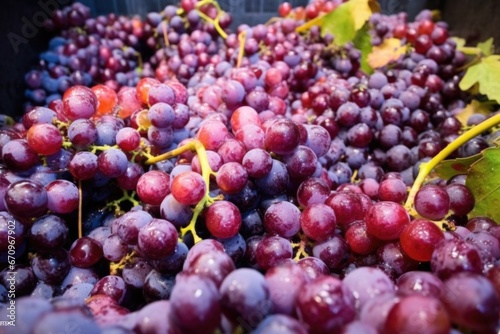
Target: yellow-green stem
[(206, 172), (242, 36), (427, 167)]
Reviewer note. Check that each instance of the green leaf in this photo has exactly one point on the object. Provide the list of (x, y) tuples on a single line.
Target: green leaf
[(483, 180), (449, 168), (339, 23), (363, 42), (487, 74), (486, 47)]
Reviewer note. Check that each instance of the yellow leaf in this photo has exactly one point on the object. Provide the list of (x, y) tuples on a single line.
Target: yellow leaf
[(361, 10), (390, 50), (475, 107)]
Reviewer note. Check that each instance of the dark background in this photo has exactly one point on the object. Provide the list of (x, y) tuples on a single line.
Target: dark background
[(474, 20)]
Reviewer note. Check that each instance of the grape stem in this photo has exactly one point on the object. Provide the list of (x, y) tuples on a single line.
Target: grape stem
[(301, 248), (242, 36), (426, 168), (215, 21), (206, 171)]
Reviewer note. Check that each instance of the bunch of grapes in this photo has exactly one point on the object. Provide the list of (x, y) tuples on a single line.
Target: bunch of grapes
[(252, 181)]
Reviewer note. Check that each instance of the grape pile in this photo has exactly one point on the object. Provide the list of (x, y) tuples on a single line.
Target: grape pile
[(173, 176)]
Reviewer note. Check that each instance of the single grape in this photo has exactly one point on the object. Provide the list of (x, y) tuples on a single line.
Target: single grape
[(223, 219), (325, 304), (419, 238)]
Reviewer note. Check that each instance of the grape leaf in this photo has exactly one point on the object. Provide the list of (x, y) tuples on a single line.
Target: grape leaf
[(486, 47), (363, 42), (347, 19), (446, 169), (340, 23), (468, 50), (361, 10), (483, 180), (390, 50), (487, 74), (475, 107)]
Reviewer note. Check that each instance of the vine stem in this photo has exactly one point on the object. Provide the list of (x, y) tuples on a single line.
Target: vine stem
[(206, 172), (426, 168)]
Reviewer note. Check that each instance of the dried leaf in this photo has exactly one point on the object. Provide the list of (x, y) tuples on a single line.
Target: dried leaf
[(475, 107), (390, 50)]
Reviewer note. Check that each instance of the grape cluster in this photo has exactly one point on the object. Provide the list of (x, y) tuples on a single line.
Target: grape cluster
[(244, 182)]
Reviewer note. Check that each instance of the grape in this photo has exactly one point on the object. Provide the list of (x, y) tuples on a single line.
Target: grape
[(155, 318), (51, 268), (347, 207), (112, 162), (223, 219), (302, 163), (368, 283), (231, 177), (85, 252), (82, 133), (245, 297), (195, 304), (188, 188), (157, 286), (44, 138), (325, 304), (48, 232), (153, 186), (282, 137), (334, 252), (62, 196), (273, 250), (212, 134), (471, 301), (128, 139), (276, 181), (83, 165), (129, 225), (318, 222), (385, 220), (112, 286), (79, 106), (453, 256), (461, 199), (279, 323), (135, 272), (282, 219), (416, 313), (232, 150), (257, 162), (215, 265), (419, 282), (129, 180), (113, 248), (26, 199), (252, 136), (61, 320), (18, 155), (419, 239), (157, 239)]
